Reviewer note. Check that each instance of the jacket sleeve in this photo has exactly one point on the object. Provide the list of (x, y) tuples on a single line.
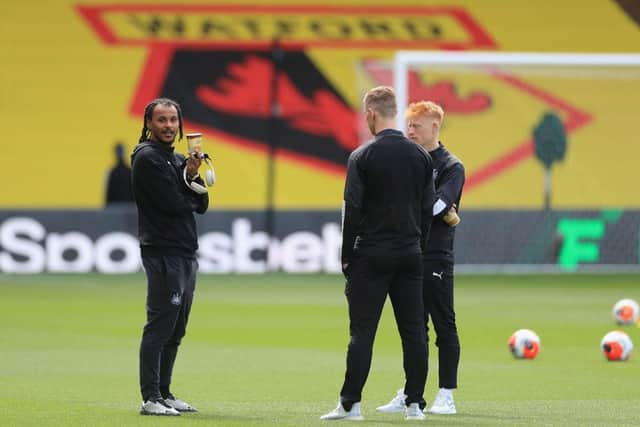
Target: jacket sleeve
[(352, 207), (428, 199), (153, 179), (449, 189)]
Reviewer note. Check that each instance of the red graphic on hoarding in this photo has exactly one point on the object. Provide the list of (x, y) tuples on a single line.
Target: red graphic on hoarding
[(319, 111), (381, 35), (240, 92), (443, 93)]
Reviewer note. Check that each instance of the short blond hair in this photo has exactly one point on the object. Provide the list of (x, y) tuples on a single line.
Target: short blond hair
[(426, 109), (383, 100)]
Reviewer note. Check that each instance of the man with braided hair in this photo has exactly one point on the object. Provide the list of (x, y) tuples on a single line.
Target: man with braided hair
[(168, 242)]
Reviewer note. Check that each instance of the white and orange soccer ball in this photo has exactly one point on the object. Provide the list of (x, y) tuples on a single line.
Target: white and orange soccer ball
[(524, 344), (626, 312), (616, 345)]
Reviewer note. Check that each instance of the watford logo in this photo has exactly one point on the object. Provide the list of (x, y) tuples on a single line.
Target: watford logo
[(218, 62)]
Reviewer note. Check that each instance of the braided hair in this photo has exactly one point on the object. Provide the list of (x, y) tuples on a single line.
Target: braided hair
[(148, 113)]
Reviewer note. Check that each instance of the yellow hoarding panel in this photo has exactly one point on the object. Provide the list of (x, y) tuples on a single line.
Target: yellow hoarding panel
[(76, 75)]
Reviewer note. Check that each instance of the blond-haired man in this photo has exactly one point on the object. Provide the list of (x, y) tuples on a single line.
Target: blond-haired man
[(387, 212)]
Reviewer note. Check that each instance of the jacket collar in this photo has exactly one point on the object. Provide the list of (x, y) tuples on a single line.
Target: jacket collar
[(388, 132)]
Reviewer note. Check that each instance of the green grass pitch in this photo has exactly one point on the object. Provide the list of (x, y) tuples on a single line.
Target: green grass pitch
[(269, 350)]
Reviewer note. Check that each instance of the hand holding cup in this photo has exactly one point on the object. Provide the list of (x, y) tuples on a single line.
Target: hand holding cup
[(194, 145), (451, 217)]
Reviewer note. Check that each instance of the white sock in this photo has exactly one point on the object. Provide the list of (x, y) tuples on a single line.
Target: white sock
[(446, 392)]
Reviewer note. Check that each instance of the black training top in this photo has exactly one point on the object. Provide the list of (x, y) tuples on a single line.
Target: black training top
[(388, 196), (448, 174), (166, 224)]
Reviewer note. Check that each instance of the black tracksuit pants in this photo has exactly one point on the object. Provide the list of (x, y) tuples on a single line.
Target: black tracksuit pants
[(438, 303), (370, 278), (170, 286)]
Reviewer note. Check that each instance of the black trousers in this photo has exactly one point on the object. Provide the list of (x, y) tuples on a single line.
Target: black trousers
[(369, 279), (170, 286), (438, 303)]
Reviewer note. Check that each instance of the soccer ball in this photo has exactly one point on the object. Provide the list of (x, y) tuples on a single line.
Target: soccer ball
[(616, 345), (626, 312), (524, 344)]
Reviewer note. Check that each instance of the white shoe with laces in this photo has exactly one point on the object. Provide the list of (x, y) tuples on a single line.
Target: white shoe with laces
[(179, 405), (397, 404), (341, 414), (157, 407), (413, 412), (443, 404)]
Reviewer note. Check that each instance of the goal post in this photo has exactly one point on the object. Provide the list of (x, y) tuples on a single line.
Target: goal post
[(549, 142), (404, 59)]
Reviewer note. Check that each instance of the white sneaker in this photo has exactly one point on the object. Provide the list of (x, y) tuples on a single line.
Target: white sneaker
[(443, 404), (413, 412), (341, 414), (157, 407), (395, 405), (179, 405)]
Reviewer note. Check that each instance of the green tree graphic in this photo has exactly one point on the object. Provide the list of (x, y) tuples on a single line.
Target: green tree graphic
[(550, 141)]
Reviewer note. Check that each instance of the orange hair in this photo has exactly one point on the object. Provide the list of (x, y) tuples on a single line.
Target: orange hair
[(425, 108)]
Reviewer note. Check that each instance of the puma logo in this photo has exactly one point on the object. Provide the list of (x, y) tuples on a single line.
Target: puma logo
[(438, 275), (176, 299)]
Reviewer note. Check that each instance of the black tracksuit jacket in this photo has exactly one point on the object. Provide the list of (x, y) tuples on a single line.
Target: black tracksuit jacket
[(388, 197), (166, 224), (449, 179)]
